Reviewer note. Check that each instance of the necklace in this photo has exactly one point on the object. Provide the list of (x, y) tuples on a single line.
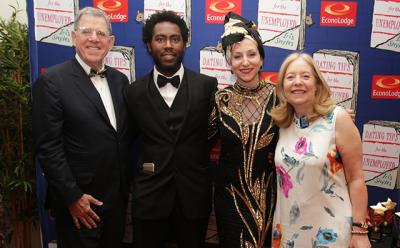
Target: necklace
[(248, 91)]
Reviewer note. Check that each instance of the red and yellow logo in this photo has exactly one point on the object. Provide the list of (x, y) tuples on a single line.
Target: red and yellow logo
[(270, 77), (386, 86), (337, 9), (109, 6), (217, 9), (342, 14), (117, 10), (222, 6)]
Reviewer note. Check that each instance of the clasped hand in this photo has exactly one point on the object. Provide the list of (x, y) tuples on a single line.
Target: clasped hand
[(82, 213)]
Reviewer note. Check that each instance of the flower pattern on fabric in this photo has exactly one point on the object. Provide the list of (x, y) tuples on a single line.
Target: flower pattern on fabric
[(329, 117), (335, 161), (310, 168), (328, 187), (294, 213), (276, 236), (289, 160), (301, 146), (325, 236), (305, 148), (284, 180)]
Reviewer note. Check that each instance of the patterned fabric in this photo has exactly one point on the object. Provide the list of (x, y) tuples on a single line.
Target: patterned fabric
[(313, 205), (245, 178)]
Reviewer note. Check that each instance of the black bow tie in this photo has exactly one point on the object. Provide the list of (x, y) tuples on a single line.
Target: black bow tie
[(162, 81), (94, 73)]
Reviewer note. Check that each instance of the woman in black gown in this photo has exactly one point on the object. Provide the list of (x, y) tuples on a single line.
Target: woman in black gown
[(245, 176)]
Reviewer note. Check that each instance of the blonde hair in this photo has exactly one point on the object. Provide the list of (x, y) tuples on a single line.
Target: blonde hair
[(283, 113)]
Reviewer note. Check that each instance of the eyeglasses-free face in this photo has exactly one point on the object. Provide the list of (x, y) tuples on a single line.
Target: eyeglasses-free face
[(167, 47), (300, 86), (246, 62), (92, 40)]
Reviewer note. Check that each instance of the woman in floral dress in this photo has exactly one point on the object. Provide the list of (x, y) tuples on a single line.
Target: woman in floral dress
[(321, 194)]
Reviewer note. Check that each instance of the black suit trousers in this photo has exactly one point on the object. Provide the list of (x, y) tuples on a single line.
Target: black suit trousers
[(108, 234), (176, 229)]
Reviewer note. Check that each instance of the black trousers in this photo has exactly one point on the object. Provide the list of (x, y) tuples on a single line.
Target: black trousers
[(108, 234), (188, 233)]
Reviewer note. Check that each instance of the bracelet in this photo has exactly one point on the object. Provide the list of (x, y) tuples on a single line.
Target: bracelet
[(363, 225), (359, 232)]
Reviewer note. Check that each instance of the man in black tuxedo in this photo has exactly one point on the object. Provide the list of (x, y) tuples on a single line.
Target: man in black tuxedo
[(170, 108), (81, 138)]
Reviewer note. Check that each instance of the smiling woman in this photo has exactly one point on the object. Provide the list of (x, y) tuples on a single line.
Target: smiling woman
[(246, 62), (300, 87), (302, 67), (322, 196), (245, 175)]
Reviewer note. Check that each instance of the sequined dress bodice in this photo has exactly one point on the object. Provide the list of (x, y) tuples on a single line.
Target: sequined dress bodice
[(245, 179)]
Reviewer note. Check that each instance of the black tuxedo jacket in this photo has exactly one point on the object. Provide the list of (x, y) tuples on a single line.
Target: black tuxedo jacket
[(182, 169), (75, 144)]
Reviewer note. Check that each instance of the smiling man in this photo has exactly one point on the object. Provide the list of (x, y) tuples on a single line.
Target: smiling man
[(170, 108), (81, 138)]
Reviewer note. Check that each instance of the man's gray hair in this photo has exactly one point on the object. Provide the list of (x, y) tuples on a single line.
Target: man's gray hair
[(94, 12)]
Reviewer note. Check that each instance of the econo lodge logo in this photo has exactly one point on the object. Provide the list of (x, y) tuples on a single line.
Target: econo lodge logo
[(338, 14), (217, 9), (270, 77), (222, 6), (386, 86), (337, 9), (117, 10)]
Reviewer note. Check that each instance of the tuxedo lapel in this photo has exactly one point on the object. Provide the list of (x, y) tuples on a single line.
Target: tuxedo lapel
[(86, 86), (115, 97), (188, 78)]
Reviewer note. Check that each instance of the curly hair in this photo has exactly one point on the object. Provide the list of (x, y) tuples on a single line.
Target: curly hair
[(164, 16)]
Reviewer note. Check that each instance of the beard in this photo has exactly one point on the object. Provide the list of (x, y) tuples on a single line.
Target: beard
[(168, 69)]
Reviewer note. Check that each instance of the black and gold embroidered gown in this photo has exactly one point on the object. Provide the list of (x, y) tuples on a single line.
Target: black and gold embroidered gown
[(245, 192)]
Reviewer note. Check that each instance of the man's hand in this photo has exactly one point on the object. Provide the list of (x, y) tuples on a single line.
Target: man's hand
[(82, 213)]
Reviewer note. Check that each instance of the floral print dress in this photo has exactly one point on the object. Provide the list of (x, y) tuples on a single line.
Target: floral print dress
[(313, 205)]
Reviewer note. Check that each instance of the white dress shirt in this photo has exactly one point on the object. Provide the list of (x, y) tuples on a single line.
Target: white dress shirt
[(168, 92), (101, 85)]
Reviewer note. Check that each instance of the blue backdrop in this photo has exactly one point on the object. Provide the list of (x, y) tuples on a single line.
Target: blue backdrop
[(372, 61)]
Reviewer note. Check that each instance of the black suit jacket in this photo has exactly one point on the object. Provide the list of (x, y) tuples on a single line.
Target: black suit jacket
[(77, 148), (182, 169)]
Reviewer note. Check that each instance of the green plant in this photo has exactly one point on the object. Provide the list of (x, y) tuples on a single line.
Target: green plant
[(17, 171)]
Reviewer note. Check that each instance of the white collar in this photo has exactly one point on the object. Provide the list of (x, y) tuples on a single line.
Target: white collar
[(85, 66), (180, 73)]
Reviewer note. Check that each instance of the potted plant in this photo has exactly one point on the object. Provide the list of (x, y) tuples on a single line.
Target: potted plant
[(18, 207)]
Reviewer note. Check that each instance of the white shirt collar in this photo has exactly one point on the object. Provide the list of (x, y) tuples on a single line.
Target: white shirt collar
[(180, 73), (85, 66)]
